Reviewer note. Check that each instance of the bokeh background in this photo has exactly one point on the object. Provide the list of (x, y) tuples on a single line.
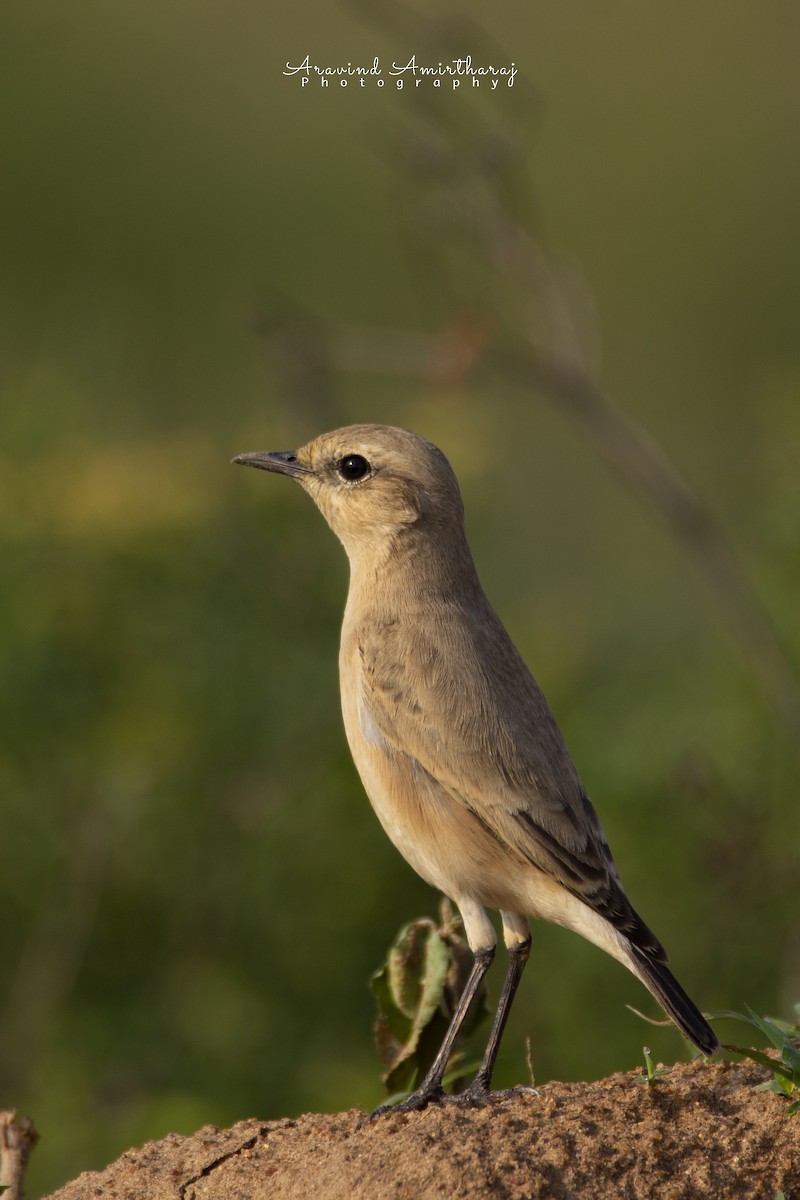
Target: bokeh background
[(585, 289)]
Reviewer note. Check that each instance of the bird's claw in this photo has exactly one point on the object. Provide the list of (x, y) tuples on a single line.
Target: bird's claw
[(474, 1096), (413, 1103), (478, 1095)]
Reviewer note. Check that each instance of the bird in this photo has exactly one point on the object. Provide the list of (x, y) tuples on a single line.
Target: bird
[(454, 741)]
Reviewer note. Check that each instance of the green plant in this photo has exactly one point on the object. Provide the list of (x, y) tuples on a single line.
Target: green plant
[(416, 990), (784, 1037), (653, 1073)]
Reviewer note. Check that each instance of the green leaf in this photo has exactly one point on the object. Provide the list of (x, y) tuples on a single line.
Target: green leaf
[(404, 967), (779, 1039), (778, 1085), (764, 1060), (436, 963), (416, 990)]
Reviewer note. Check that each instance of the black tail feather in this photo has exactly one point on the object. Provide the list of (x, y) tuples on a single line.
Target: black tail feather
[(676, 1004)]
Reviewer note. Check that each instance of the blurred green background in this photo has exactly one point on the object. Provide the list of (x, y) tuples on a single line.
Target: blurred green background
[(198, 257)]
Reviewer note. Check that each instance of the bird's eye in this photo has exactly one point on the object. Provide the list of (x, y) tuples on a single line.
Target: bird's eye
[(353, 467)]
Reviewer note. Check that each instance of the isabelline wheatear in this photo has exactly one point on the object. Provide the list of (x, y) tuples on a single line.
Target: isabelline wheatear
[(456, 746)]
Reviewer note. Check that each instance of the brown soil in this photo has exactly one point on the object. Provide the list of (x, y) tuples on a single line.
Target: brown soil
[(701, 1131)]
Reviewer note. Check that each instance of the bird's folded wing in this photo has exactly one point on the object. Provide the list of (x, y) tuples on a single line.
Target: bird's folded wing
[(484, 733)]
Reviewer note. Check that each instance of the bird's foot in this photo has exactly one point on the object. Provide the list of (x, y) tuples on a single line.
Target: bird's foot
[(413, 1103), (479, 1095)]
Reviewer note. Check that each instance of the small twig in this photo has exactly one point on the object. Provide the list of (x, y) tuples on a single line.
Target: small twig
[(529, 1061), (665, 1024), (17, 1140)]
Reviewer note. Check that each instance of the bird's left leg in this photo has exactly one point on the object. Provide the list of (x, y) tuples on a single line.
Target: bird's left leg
[(517, 936)]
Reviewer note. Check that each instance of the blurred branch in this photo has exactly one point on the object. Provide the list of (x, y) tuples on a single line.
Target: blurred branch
[(462, 352), (645, 467), (475, 198), (629, 449), (17, 1140)]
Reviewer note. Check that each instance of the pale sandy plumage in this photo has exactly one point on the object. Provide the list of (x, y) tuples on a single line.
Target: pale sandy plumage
[(455, 743)]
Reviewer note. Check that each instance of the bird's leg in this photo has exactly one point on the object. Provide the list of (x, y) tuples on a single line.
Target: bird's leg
[(479, 1089), (430, 1090)]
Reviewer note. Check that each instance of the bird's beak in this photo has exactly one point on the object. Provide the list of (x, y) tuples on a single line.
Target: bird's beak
[(283, 461)]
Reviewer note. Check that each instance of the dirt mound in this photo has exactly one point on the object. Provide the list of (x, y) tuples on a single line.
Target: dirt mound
[(700, 1131)]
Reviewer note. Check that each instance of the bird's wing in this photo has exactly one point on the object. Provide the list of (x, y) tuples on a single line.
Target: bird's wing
[(464, 707)]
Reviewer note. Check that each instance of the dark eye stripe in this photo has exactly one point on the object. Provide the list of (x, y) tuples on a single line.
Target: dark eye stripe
[(353, 467)]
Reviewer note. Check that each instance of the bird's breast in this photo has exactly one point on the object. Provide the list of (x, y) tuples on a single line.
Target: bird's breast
[(444, 843)]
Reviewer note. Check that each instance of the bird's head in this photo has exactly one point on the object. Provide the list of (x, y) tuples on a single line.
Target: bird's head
[(373, 484)]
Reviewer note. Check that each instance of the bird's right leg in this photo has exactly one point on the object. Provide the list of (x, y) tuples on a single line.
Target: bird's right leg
[(478, 1091)]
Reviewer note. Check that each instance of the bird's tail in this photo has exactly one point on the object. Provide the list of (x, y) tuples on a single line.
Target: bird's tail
[(673, 999)]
